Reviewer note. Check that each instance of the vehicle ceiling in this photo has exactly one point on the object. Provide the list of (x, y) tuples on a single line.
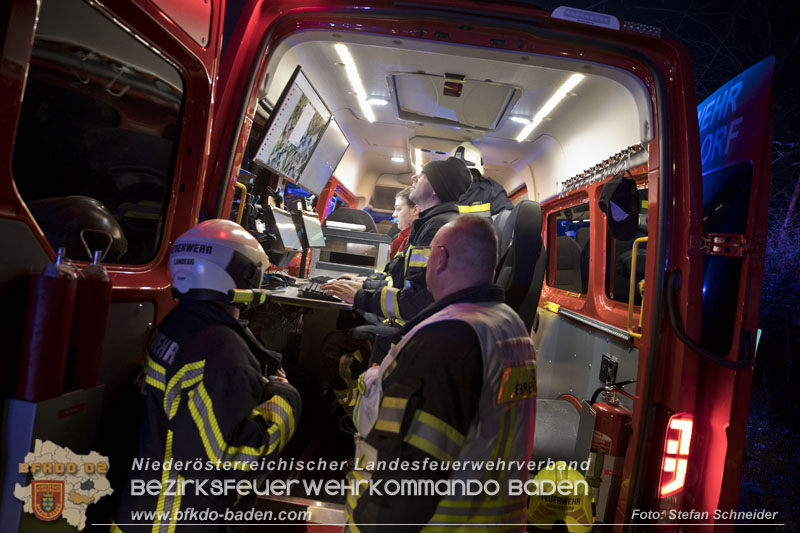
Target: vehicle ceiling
[(608, 110)]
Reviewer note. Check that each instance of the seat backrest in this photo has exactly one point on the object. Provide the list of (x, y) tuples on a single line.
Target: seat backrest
[(523, 259), (353, 216)]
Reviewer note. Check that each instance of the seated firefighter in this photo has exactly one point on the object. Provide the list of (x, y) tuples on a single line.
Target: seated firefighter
[(207, 401), (401, 292), (460, 385), (484, 196)]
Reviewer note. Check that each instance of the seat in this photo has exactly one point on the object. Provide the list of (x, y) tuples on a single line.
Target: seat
[(568, 264), (523, 259), (353, 216), (385, 226)]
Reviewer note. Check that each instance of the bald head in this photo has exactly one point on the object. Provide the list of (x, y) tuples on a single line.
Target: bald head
[(463, 254)]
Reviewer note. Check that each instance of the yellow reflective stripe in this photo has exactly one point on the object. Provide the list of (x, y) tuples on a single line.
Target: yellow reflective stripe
[(188, 375), (202, 411), (247, 296), (645, 203), (351, 501), (419, 257), (176, 505), (388, 426), (115, 528), (389, 305), (434, 436), (150, 380), (164, 477), (390, 416), (479, 208), (155, 366), (278, 411), (155, 374), (394, 403)]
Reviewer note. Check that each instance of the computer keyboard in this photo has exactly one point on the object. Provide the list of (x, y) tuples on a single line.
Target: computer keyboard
[(312, 291)]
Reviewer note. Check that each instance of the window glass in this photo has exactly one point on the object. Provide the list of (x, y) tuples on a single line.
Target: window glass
[(96, 142), (570, 244), (618, 260)]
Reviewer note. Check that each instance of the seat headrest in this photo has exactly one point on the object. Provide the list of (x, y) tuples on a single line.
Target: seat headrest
[(353, 216)]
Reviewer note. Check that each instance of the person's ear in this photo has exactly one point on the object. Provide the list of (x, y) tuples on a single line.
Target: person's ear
[(415, 210)]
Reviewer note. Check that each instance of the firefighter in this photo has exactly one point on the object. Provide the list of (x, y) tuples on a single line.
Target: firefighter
[(207, 403), (460, 385), (401, 292), (485, 196)]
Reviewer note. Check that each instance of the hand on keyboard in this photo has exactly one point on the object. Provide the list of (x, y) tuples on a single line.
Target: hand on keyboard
[(344, 289), (314, 291)]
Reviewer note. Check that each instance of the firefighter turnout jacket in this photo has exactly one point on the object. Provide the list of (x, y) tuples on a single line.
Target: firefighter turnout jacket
[(209, 414), (459, 387), (402, 293), (485, 197)]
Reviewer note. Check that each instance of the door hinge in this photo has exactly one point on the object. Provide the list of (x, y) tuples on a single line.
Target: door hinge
[(726, 244)]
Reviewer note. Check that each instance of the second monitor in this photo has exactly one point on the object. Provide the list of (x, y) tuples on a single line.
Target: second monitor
[(309, 228)]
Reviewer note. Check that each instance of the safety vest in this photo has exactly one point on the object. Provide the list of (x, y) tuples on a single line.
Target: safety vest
[(502, 429)]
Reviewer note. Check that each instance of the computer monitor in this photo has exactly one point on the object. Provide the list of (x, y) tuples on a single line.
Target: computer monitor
[(325, 159), (296, 124), (281, 222), (313, 230)]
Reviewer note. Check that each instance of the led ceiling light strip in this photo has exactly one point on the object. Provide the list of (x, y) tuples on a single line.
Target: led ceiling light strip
[(355, 81), (417, 161), (559, 95)]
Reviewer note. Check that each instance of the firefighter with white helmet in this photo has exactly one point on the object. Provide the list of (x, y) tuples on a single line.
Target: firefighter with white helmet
[(207, 401)]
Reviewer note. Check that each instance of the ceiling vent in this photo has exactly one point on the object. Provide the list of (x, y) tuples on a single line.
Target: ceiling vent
[(480, 105)]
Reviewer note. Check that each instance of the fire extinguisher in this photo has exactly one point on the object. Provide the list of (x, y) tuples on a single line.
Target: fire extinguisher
[(92, 302), (607, 453)]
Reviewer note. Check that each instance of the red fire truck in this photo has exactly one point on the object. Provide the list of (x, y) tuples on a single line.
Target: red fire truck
[(156, 109)]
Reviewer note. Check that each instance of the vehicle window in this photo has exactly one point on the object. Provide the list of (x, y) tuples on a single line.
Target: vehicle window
[(570, 245), (96, 143), (618, 260)]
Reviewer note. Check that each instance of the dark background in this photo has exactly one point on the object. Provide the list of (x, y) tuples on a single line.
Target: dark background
[(724, 38)]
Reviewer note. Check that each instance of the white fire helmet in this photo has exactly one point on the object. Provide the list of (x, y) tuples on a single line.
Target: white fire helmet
[(470, 155), (214, 257)]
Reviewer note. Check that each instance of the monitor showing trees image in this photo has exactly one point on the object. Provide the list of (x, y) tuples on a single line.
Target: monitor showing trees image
[(296, 125)]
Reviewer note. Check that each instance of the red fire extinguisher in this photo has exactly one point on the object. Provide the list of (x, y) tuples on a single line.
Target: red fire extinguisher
[(92, 302), (609, 444)]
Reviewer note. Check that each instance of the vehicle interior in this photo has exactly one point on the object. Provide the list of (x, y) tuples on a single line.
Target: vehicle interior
[(549, 127)]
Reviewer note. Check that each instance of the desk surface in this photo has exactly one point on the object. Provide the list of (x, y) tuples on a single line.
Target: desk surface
[(290, 296)]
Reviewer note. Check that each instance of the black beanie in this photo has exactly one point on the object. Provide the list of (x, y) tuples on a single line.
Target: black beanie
[(449, 178)]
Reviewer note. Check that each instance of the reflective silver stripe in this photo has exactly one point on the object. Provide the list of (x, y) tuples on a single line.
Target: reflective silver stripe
[(419, 257), (389, 304), (434, 436)]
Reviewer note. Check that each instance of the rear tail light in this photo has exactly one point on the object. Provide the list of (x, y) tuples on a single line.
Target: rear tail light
[(675, 460)]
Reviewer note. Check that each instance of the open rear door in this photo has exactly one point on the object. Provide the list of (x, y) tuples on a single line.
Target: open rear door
[(735, 125)]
